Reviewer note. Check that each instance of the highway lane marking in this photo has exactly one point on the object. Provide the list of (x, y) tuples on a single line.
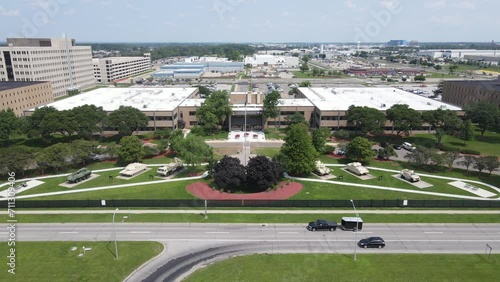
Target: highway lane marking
[(433, 232), (216, 232), (140, 232), (286, 232), (68, 232)]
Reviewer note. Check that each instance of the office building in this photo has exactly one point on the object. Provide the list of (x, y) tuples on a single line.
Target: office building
[(23, 95), (462, 93), (110, 69), (68, 67)]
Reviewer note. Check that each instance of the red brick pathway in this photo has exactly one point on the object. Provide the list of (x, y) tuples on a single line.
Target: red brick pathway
[(204, 191)]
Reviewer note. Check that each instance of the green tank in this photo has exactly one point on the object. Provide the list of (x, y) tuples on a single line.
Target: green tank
[(79, 175)]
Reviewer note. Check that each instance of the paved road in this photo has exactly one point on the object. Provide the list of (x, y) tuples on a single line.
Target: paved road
[(193, 245)]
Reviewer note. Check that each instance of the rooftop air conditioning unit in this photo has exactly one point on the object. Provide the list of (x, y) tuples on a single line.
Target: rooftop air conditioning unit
[(144, 106)]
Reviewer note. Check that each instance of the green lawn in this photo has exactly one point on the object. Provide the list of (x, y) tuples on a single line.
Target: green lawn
[(441, 75), (335, 267), (275, 134), (487, 144), (270, 152), (55, 262), (255, 218), (171, 190)]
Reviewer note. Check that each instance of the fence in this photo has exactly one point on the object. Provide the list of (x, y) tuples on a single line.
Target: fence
[(197, 203)]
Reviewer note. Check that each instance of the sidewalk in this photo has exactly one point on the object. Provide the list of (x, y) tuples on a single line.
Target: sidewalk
[(210, 211)]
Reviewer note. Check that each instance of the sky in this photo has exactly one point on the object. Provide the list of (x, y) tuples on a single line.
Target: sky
[(252, 20)]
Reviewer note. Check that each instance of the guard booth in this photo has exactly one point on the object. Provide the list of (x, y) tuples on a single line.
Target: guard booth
[(351, 223)]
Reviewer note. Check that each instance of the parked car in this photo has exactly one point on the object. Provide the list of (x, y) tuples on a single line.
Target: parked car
[(408, 146), (372, 242), (322, 224), (396, 147), (341, 152)]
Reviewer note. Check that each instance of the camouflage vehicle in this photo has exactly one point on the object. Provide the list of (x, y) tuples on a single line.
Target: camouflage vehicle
[(79, 175), (321, 169)]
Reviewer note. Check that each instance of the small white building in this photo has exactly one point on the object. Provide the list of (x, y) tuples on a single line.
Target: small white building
[(271, 60)]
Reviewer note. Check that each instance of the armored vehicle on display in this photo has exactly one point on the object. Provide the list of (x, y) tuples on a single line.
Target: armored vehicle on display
[(356, 168), (170, 168), (321, 169), (133, 169), (410, 175), (79, 175)]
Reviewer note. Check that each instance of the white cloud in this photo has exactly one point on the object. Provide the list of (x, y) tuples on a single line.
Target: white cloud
[(390, 4), (350, 4), (286, 14), (465, 4), (435, 4), (447, 20), (70, 11), (9, 13)]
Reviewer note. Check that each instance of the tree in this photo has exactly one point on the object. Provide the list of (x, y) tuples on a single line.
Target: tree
[(89, 119), (439, 89), (444, 119), (262, 172), (468, 132), (420, 77), (193, 150), (439, 135), (229, 173), (306, 58), (214, 111), (297, 153), (319, 138), (342, 134), (480, 163), (365, 119), (421, 156), (450, 157), (467, 161), (303, 68), (306, 83), (295, 118), (484, 114), (130, 150), (16, 159), (360, 150), (204, 90), (56, 156), (112, 150), (387, 152), (453, 68), (315, 71), (33, 121), (8, 122), (403, 118), (438, 67), (271, 109), (491, 163), (81, 150), (127, 120)]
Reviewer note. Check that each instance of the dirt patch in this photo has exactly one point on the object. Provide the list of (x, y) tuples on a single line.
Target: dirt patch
[(335, 156), (204, 191), (227, 151)]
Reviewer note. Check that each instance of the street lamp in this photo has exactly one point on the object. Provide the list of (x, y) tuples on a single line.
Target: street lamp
[(357, 225), (245, 137), (114, 233)]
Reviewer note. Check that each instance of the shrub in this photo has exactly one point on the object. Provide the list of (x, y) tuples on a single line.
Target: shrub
[(197, 130), (470, 152), (329, 149)]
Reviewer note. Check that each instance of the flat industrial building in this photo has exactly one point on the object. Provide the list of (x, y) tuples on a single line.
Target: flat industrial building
[(333, 99)]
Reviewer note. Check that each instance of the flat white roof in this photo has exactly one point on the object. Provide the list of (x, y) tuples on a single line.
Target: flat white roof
[(332, 99), (295, 103), (192, 102), (144, 99)]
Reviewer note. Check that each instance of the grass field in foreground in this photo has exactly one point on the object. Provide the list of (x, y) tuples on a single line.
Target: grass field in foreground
[(368, 267), (256, 218), (55, 262)]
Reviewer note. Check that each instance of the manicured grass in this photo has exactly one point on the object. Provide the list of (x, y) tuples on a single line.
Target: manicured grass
[(487, 144), (275, 134), (440, 75), (222, 135), (368, 267), (270, 152), (171, 190), (54, 261), (255, 218)]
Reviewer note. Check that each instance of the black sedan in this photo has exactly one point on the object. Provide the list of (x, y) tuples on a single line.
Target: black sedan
[(372, 242), (397, 147)]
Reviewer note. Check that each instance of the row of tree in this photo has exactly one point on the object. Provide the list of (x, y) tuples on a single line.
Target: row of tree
[(82, 121)]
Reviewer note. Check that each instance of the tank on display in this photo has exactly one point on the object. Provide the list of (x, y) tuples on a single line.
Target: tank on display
[(79, 175)]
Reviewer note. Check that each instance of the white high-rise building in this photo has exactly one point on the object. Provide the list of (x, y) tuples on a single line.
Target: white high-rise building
[(58, 60), (110, 69)]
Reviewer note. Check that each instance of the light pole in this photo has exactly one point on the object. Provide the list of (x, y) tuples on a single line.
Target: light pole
[(114, 233), (357, 225), (245, 136)]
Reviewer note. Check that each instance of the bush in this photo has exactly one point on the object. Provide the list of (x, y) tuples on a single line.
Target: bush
[(197, 130), (470, 152), (150, 151), (328, 149), (445, 148), (341, 134)]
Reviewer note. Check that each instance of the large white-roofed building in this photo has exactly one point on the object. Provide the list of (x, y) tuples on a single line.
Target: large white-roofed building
[(161, 105), (331, 104)]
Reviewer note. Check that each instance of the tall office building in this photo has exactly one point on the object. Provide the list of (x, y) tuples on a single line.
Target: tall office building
[(68, 67), (114, 68)]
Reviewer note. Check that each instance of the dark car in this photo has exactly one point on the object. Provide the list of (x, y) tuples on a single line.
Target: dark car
[(372, 242), (397, 147), (383, 144), (322, 224)]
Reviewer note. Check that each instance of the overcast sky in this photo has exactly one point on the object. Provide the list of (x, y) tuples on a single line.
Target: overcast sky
[(252, 20)]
